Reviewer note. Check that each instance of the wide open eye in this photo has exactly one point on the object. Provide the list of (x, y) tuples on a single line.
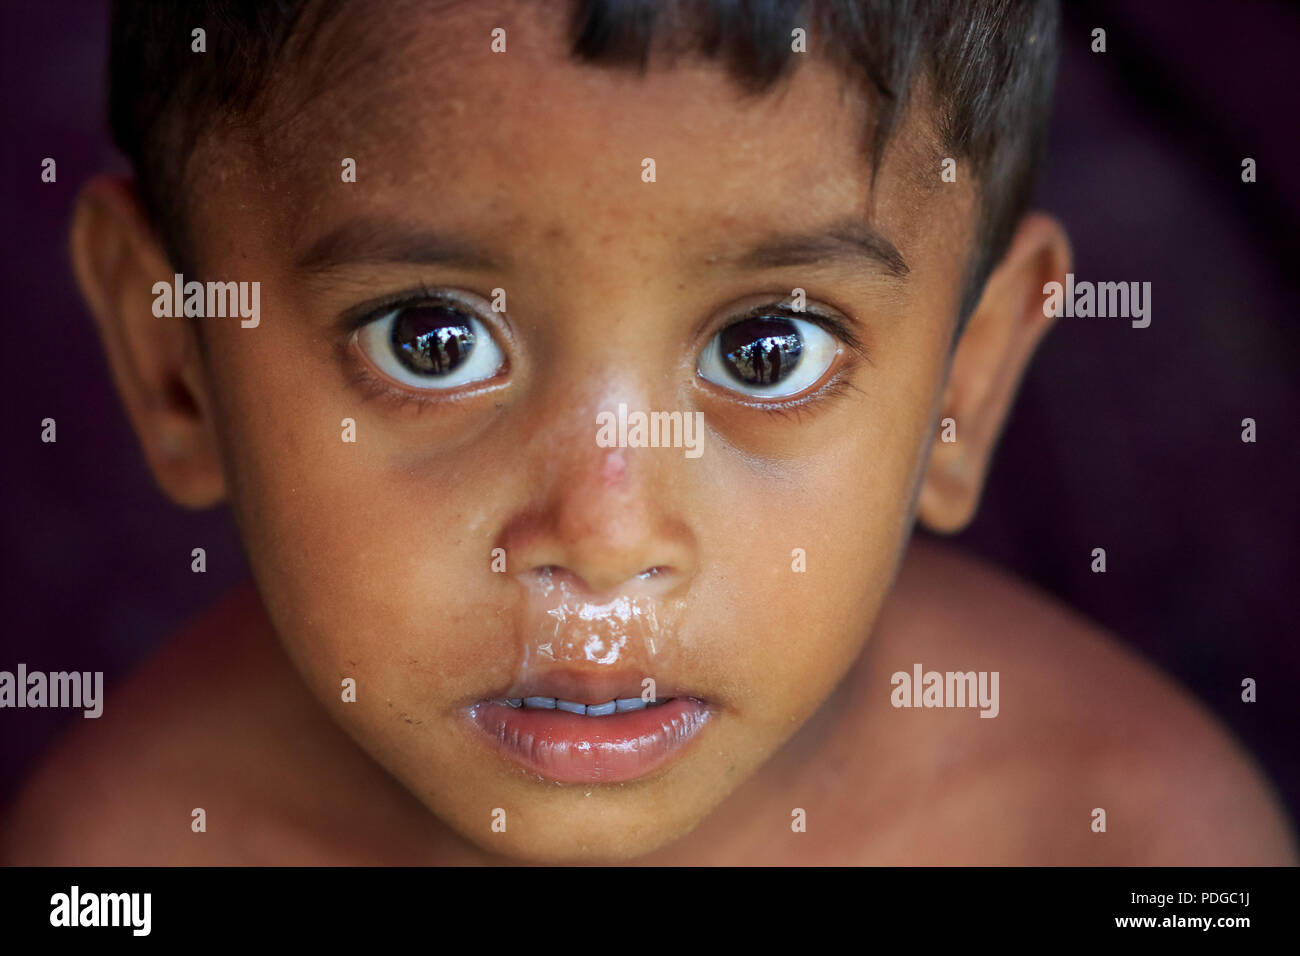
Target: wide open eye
[(431, 345), (768, 355)]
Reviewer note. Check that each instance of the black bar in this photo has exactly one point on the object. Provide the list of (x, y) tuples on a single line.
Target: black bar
[(584, 908)]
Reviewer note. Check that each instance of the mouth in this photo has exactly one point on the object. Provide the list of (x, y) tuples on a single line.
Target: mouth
[(590, 737)]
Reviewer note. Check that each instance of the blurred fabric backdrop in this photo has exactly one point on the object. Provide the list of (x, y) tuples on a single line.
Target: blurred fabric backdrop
[(1122, 438)]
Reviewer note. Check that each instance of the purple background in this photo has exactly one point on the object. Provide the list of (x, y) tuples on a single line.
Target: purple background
[(1122, 438)]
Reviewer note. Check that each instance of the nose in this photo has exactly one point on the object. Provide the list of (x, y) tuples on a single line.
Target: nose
[(604, 522)]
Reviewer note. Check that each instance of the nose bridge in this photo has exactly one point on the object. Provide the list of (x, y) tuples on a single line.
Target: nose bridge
[(609, 515)]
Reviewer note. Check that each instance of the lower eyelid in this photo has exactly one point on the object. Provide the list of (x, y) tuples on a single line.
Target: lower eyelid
[(833, 388), (807, 405), (374, 385)]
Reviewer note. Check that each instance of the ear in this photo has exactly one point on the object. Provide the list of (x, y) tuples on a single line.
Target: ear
[(156, 362), (987, 365)]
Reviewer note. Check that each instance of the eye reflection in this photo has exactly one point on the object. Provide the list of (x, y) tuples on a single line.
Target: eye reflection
[(432, 340), (761, 351)]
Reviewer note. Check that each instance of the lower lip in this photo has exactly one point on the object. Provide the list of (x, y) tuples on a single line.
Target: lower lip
[(572, 748)]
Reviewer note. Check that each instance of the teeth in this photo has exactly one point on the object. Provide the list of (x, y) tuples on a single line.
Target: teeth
[(621, 705)]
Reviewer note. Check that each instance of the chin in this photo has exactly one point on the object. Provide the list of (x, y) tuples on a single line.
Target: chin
[(581, 830), (584, 847)]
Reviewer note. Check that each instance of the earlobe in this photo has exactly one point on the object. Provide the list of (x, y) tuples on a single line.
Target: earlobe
[(988, 363), (154, 360)]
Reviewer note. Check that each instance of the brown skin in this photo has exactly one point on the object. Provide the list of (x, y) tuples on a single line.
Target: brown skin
[(372, 559), (219, 719)]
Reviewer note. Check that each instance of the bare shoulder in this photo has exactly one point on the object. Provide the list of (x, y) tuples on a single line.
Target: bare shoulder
[(1086, 735), (214, 721)]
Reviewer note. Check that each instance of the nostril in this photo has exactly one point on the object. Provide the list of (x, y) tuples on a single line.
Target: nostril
[(658, 581), (548, 577)]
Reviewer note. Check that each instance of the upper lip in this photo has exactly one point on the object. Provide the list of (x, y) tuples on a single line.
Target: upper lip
[(585, 687)]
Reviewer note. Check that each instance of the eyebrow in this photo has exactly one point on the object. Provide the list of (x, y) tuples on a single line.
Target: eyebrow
[(368, 242), (850, 241), (371, 242)]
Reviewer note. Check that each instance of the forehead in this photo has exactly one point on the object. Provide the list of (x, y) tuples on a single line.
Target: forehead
[(534, 146)]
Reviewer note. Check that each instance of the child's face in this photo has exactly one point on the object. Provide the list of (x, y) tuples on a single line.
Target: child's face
[(376, 557)]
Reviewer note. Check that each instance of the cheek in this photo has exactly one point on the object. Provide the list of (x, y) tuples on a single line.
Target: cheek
[(370, 563), (802, 561), (373, 556)]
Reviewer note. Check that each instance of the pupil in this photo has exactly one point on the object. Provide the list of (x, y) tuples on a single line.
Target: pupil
[(761, 351), (432, 339)]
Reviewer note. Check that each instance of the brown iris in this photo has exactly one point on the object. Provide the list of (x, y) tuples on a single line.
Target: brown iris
[(761, 350), (432, 339)]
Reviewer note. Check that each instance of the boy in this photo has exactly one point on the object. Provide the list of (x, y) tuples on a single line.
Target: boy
[(576, 420)]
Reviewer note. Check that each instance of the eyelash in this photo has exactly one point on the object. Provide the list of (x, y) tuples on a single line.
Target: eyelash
[(832, 324), (363, 315), (373, 388), (797, 408), (376, 388)]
